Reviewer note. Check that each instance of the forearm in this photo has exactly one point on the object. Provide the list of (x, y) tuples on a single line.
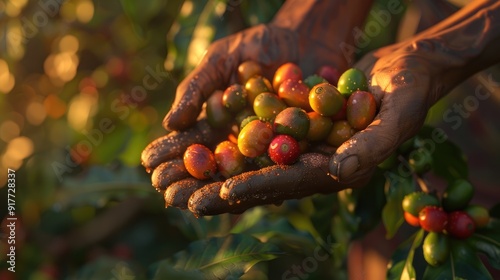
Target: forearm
[(328, 22), (463, 44)]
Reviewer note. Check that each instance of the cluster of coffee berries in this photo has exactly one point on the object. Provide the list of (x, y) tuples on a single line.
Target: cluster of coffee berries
[(274, 122), (451, 216)]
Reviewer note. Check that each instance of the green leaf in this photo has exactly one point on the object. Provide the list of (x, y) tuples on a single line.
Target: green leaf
[(347, 205), (395, 190), (108, 268), (463, 263), (279, 231), (448, 160), (388, 34), (101, 184), (325, 207), (370, 202), (220, 257), (249, 219), (112, 145), (198, 228), (165, 270), (488, 243), (134, 147), (401, 265)]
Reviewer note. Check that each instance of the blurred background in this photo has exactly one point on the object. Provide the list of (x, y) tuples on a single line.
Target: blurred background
[(84, 85)]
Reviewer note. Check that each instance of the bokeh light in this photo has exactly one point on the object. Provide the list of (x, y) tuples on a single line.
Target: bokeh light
[(17, 150), (187, 8), (14, 7), (7, 80), (61, 67), (9, 130), (100, 77), (54, 106), (220, 8), (69, 44), (15, 39), (201, 40), (84, 11), (35, 113), (81, 108)]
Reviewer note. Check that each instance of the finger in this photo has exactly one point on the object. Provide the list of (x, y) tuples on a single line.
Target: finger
[(167, 173), (213, 72), (175, 143), (280, 182), (402, 113), (269, 46), (207, 202), (177, 194)]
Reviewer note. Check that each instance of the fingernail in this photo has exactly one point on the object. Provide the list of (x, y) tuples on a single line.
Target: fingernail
[(225, 188), (166, 120), (344, 168)]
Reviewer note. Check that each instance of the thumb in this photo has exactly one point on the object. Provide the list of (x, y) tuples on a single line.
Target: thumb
[(213, 72)]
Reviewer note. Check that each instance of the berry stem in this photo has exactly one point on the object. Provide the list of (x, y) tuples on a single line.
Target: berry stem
[(421, 183)]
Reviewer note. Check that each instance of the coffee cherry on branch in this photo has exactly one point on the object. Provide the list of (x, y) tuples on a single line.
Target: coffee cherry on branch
[(433, 219), (460, 225)]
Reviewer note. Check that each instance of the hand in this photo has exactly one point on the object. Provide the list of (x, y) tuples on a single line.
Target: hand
[(307, 32), (406, 79), (401, 101), (269, 45), (271, 185), (297, 34), (404, 86), (400, 80)]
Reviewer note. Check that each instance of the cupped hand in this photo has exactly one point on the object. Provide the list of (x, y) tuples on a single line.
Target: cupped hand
[(271, 46), (270, 185), (405, 87)]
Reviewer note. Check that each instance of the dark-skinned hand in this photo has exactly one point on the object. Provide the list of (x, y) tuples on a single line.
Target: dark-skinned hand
[(403, 78)]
